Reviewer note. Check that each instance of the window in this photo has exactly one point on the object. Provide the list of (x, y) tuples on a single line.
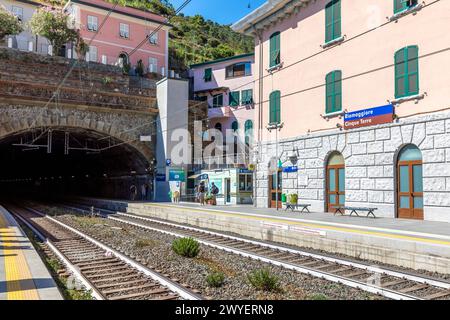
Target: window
[(152, 64), (241, 69), (92, 53), (18, 12), (208, 75), (275, 107), (334, 91), (245, 182), (247, 97), (407, 72), (332, 20), (153, 39), (124, 30), (92, 24), (275, 53), (248, 127), (234, 126), (218, 126), (218, 101), (402, 5), (235, 98)]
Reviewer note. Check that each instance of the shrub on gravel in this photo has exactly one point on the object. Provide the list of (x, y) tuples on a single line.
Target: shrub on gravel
[(263, 279), (318, 296), (215, 279), (186, 247)]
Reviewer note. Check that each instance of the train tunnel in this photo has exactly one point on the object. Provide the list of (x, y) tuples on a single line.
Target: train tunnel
[(69, 161)]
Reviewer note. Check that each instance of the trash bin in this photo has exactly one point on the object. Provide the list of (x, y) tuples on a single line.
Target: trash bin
[(283, 198)]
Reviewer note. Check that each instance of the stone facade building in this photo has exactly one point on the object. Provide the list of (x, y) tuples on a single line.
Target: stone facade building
[(358, 93)]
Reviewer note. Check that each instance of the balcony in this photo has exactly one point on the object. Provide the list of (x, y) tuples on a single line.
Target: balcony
[(223, 112)]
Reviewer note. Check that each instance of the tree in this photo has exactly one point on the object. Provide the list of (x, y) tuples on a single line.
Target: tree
[(9, 24), (55, 25)]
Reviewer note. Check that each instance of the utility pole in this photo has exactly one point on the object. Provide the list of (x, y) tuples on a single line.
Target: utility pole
[(277, 126)]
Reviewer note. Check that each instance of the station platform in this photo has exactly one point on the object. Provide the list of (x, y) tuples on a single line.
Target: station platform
[(419, 245), (23, 275)]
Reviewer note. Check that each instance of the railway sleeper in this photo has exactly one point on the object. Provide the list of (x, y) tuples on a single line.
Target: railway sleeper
[(125, 289), (139, 294)]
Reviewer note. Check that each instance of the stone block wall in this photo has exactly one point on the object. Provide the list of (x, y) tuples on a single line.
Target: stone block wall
[(370, 165)]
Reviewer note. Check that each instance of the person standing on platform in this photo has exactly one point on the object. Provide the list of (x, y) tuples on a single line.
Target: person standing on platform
[(133, 192), (143, 192), (201, 193), (214, 193)]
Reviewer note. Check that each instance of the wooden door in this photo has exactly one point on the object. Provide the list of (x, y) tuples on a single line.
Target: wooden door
[(410, 190), (273, 191), (335, 187)]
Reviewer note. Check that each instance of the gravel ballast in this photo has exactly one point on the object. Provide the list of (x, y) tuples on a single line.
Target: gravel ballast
[(154, 250)]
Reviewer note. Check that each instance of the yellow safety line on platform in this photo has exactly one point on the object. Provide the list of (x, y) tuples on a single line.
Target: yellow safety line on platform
[(311, 225), (19, 282)]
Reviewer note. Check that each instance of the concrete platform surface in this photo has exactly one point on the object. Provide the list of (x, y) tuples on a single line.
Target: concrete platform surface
[(23, 275)]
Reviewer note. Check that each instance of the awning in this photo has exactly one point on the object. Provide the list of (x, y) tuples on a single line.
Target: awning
[(203, 176)]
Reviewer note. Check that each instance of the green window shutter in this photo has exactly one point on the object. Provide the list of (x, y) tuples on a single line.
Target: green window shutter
[(234, 98), (275, 58), (234, 125), (247, 97), (275, 107), (399, 5), (248, 126), (407, 72), (208, 75), (332, 20), (333, 92), (413, 70)]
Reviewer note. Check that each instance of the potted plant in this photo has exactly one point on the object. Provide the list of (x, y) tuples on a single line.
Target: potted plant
[(293, 198), (209, 199)]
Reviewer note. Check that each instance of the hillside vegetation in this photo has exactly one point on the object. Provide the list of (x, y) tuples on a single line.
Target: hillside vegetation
[(194, 39)]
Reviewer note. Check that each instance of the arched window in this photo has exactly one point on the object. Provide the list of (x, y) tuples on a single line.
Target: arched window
[(332, 20), (275, 51), (234, 126), (248, 126), (410, 183), (407, 71), (334, 91), (275, 107)]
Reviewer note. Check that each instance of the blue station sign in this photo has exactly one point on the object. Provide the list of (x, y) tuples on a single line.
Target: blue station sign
[(160, 177), (177, 175), (290, 169), (369, 117)]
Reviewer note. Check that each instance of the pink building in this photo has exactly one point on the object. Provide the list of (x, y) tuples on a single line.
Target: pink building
[(227, 85), (359, 92), (123, 31)]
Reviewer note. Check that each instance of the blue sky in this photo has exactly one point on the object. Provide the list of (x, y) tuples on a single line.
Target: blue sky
[(221, 11)]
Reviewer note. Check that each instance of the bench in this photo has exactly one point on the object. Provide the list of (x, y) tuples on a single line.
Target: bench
[(292, 206), (355, 210)]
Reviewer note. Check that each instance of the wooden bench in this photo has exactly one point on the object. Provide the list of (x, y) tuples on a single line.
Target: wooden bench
[(293, 207), (355, 210)]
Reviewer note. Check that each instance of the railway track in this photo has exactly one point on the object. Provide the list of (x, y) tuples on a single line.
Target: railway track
[(106, 272), (387, 282)]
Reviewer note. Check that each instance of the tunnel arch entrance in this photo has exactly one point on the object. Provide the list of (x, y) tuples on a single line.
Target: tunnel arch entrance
[(71, 160)]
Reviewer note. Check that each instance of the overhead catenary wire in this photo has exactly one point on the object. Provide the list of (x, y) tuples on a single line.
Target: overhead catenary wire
[(74, 64), (291, 93), (303, 60)]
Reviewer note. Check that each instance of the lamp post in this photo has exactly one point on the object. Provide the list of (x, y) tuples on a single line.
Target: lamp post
[(277, 126)]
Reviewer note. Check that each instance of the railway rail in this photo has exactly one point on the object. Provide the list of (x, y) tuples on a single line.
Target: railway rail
[(101, 269), (379, 280)]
